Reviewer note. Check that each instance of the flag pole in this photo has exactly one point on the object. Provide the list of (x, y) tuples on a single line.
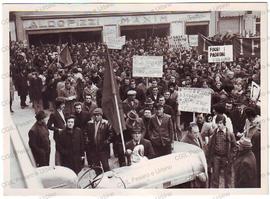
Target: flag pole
[(117, 107)]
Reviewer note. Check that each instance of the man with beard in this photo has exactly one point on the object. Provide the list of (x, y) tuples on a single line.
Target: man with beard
[(39, 141), (71, 146)]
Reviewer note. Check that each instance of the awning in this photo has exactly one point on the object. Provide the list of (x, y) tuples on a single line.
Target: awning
[(238, 13), (231, 13)]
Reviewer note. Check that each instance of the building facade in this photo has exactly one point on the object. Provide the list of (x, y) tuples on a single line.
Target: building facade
[(62, 27)]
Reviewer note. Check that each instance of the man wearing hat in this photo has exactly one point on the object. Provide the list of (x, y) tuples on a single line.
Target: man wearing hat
[(39, 141), (133, 121), (131, 103), (98, 138), (148, 104), (137, 139), (71, 145), (245, 165), (161, 132), (56, 123)]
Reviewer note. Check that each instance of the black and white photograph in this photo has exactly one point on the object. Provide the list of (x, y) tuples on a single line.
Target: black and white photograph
[(142, 98)]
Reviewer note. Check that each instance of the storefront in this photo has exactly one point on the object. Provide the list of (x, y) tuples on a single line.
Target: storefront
[(74, 27)]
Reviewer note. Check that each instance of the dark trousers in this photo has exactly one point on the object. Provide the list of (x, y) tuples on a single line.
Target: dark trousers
[(23, 99), (97, 158), (221, 162), (162, 150), (43, 160)]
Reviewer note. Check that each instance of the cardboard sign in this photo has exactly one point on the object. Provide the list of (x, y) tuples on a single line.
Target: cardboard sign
[(220, 53), (147, 66), (116, 42), (109, 31), (255, 92), (193, 40), (180, 41), (196, 100)]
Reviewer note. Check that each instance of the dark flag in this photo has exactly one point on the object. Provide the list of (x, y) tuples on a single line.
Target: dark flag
[(242, 47), (246, 47), (111, 103), (65, 57)]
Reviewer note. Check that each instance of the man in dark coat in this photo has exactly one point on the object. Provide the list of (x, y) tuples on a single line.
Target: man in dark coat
[(132, 121), (245, 165), (22, 88), (99, 136), (238, 118), (161, 132), (81, 117), (39, 141), (57, 123), (137, 139), (146, 121), (36, 90), (256, 149), (88, 104), (71, 146), (193, 136)]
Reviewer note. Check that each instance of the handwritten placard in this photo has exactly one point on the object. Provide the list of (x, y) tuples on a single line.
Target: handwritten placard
[(147, 66), (193, 40), (196, 100), (116, 42), (180, 41)]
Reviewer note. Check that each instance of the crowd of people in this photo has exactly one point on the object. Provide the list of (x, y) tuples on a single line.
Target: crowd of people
[(230, 135)]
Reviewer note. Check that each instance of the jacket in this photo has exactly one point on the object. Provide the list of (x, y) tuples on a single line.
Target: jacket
[(54, 123), (245, 170), (39, 143), (71, 148), (148, 148), (100, 144), (161, 134), (231, 145)]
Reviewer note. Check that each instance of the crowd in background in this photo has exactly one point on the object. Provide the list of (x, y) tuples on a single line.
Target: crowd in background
[(34, 73)]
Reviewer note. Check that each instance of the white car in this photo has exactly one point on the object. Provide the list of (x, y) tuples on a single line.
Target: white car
[(185, 167)]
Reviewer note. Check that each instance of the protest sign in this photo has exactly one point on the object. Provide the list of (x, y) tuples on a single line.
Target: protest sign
[(220, 53), (180, 41), (116, 43), (255, 92), (194, 100), (109, 31), (193, 40), (147, 66)]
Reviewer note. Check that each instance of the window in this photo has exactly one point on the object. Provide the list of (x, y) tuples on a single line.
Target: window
[(258, 26)]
